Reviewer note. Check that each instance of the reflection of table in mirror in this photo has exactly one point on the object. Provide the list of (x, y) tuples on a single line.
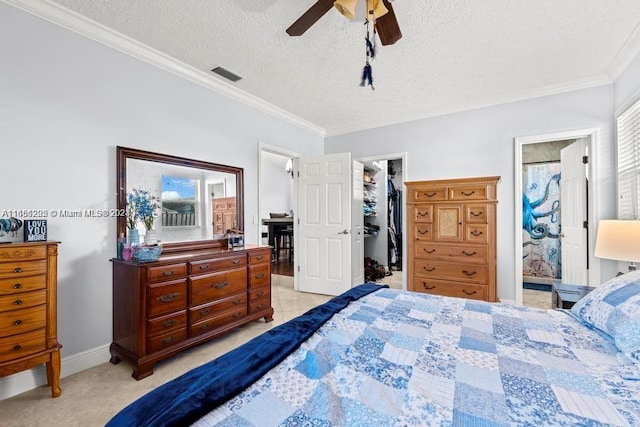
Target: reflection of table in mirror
[(274, 225)]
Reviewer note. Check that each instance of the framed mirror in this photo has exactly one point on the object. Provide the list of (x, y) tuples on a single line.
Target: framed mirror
[(199, 201)]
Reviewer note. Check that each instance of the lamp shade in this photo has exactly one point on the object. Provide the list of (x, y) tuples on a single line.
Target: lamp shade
[(618, 240)]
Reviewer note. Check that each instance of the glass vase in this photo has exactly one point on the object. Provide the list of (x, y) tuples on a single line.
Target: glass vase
[(151, 238), (133, 236)]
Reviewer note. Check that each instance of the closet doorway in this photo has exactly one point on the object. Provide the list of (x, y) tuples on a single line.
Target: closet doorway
[(384, 218), (555, 199)]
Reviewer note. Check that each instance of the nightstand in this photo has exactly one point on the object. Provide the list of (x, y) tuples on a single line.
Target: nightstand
[(565, 296)]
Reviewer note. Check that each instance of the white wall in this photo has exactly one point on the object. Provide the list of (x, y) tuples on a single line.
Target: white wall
[(65, 103), (481, 143), (627, 85)]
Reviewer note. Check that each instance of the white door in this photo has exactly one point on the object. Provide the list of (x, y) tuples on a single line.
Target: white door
[(573, 208), (325, 243)]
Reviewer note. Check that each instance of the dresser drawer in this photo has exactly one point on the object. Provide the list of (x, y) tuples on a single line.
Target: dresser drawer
[(164, 298), (478, 192), (166, 272), (166, 340), (164, 324), (476, 273), (26, 319), (206, 288), (450, 289), (217, 264), (260, 257), (207, 311), (259, 293), (476, 233), (259, 299), (22, 300), (422, 213), (422, 232), (14, 254), (22, 284), (476, 214), (258, 275), (21, 345), (217, 321), (22, 268), (457, 253), (428, 194)]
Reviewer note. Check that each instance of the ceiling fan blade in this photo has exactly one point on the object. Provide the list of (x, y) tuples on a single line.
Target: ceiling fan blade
[(387, 26), (310, 17)]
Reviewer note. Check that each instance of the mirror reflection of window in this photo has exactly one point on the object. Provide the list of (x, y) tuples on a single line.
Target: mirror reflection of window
[(180, 201)]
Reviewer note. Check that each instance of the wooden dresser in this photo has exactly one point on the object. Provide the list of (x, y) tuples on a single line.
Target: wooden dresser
[(28, 309), (184, 299), (452, 237), (224, 214)]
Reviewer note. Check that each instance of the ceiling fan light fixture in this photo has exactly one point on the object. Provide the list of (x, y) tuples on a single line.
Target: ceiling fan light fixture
[(375, 9), (346, 7)]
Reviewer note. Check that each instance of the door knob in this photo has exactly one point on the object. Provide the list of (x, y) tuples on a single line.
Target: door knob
[(345, 231)]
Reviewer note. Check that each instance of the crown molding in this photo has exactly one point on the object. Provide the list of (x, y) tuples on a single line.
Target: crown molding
[(625, 55), (575, 85), (84, 26)]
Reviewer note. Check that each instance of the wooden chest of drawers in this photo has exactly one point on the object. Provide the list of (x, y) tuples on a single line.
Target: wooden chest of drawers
[(28, 309), (452, 237), (163, 307)]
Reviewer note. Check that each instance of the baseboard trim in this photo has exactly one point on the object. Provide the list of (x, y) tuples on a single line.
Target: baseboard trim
[(28, 380)]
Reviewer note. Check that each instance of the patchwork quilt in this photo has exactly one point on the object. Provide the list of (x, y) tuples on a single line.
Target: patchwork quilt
[(395, 358)]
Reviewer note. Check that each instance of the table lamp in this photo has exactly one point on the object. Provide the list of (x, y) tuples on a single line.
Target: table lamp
[(619, 239)]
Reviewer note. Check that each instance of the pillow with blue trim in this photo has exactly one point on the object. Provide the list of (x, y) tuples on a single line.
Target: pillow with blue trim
[(614, 308)]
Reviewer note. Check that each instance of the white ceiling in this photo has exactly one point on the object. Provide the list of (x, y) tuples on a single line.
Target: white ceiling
[(455, 54)]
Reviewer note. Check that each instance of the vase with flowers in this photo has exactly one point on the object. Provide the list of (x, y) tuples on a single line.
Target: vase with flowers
[(143, 206)]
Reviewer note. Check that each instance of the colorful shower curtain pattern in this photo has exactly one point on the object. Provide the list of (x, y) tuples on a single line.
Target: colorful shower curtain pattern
[(541, 220)]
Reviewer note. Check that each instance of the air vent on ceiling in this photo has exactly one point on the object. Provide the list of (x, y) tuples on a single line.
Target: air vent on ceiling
[(226, 74)]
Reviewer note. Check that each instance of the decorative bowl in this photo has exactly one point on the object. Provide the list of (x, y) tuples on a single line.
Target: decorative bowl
[(146, 253)]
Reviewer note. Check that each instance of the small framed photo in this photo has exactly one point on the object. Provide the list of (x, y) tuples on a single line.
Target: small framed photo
[(10, 230), (35, 230)]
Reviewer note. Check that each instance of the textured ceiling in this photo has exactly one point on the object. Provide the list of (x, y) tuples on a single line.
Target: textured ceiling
[(455, 54)]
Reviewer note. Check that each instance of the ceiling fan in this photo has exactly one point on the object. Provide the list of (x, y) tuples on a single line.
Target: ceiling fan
[(385, 18)]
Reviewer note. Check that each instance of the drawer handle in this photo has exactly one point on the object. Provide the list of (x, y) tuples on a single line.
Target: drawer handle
[(259, 275), (17, 347), (236, 302), (220, 285), (204, 267), (168, 273), (168, 297), (205, 311), (423, 232), (168, 340), (468, 194), (476, 213), (469, 273), (423, 214), (17, 302), (236, 261), (168, 323), (259, 306), (429, 269), (428, 251), (205, 326), (18, 322), (469, 253), (468, 293), (17, 270), (424, 285), (430, 194), (17, 286), (259, 257), (260, 293), (237, 314), (476, 233)]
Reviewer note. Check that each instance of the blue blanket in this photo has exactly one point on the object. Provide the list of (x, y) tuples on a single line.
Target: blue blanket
[(192, 395)]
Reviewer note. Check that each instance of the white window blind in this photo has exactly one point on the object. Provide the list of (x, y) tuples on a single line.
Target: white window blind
[(629, 163)]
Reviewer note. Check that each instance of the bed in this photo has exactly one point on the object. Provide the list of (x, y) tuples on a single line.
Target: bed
[(375, 356)]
